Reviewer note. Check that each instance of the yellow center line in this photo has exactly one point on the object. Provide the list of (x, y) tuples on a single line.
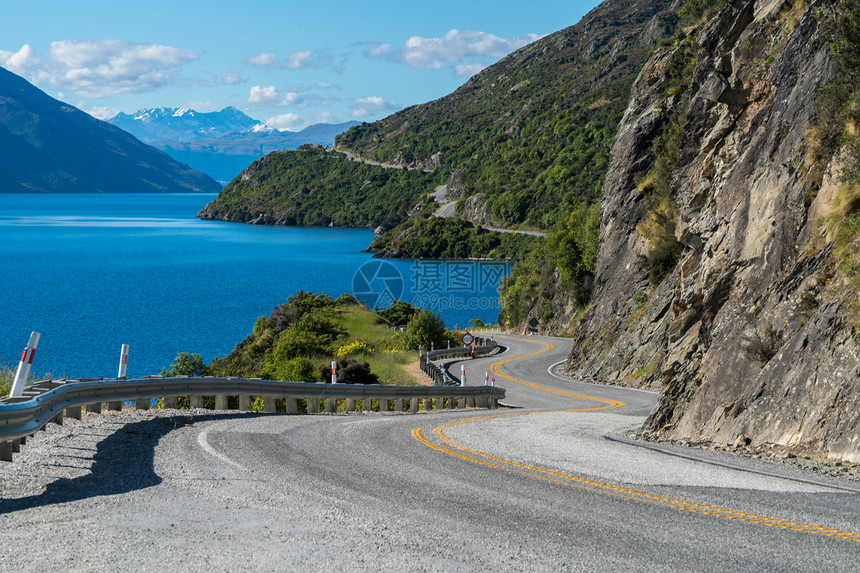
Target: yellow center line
[(465, 453)]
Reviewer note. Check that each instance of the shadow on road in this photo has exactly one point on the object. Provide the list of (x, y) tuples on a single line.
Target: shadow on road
[(122, 462)]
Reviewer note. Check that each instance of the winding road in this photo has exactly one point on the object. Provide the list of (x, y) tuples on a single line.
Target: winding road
[(550, 483)]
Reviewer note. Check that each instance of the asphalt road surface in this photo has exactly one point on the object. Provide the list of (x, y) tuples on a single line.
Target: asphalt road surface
[(551, 482)]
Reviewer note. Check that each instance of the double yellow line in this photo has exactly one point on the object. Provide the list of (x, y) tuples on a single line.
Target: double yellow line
[(483, 458)]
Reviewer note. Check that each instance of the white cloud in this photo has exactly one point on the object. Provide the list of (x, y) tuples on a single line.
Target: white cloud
[(229, 78), (467, 70), (295, 61), (265, 60), (464, 51), (98, 112), (18, 62), (271, 96), (101, 68), (286, 121), (372, 105), (378, 51), (298, 60)]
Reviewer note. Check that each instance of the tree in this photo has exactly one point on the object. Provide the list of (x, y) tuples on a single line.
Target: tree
[(423, 328), (186, 364)]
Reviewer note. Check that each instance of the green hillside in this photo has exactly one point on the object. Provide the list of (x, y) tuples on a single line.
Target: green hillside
[(313, 187), (531, 132)]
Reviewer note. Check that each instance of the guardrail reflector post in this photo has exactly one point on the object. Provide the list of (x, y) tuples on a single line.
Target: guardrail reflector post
[(123, 361), (334, 371), (486, 378), (23, 371), (432, 346), (462, 375)]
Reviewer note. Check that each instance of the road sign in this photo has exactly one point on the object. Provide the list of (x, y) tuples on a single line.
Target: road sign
[(467, 339)]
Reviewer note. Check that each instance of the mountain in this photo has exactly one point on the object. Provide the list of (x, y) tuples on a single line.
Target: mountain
[(526, 141), (219, 143), (181, 124), (52, 147), (727, 272), (703, 209)]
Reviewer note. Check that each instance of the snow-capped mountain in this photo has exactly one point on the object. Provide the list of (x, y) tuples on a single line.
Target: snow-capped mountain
[(183, 124), (219, 143)]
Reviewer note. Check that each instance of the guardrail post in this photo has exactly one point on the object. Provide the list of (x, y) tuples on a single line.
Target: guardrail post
[(142, 404), (331, 405), (470, 402), (269, 404), (115, 406), (244, 403), (170, 402), (94, 408), (23, 371), (73, 412), (452, 402), (383, 404), (313, 405), (398, 405), (428, 404), (461, 403), (367, 404), (413, 405), (195, 402), (16, 445), (349, 405), (5, 451), (58, 419), (291, 405), (221, 402)]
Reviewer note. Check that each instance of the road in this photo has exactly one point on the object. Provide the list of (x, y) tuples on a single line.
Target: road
[(549, 483)]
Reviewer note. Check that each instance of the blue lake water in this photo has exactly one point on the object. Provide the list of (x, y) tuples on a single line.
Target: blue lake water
[(91, 272)]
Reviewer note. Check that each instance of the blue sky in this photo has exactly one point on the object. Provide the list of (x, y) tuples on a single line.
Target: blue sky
[(290, 64)]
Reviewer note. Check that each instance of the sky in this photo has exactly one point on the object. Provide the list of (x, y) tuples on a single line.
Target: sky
[(290, 64)]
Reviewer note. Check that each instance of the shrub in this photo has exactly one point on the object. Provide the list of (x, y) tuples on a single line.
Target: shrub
[(349, 372), (423, 328), (398, 314), (186, 364)]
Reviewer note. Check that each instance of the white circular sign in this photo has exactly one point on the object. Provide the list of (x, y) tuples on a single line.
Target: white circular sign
[(467, 339)]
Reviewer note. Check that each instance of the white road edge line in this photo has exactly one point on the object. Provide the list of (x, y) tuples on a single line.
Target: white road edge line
[(554, 375), (202, 439)]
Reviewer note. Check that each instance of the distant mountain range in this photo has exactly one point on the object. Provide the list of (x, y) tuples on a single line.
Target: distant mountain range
[(52, 147), (219, 143)]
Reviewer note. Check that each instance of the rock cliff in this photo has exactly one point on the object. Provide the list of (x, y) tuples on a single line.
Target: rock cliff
[(751, 336)]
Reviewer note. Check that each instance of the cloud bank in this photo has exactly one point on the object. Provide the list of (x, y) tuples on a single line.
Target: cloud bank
[(100, 68), (465, 52)]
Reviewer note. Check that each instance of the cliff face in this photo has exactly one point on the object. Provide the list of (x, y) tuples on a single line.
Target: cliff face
[(749, 337)]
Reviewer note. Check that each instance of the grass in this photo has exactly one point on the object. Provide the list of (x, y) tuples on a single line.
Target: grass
[(386, 360), (7, 376)]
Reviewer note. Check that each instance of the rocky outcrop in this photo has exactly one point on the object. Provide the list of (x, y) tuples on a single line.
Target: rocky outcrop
[(748, 336)]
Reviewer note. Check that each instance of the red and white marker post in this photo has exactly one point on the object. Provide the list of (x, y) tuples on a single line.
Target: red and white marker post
[(24, 366), (334, 371), (486, 378), (123, 361), (462, 375)]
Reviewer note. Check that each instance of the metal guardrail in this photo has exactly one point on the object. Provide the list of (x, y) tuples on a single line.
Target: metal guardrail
[(47, 401), (438, 374)]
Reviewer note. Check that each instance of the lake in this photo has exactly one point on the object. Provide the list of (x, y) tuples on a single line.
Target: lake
[(93, 272)]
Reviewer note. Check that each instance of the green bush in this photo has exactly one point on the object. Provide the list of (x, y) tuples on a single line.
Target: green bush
[(349, 372), (186, 364), (423, 328)]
